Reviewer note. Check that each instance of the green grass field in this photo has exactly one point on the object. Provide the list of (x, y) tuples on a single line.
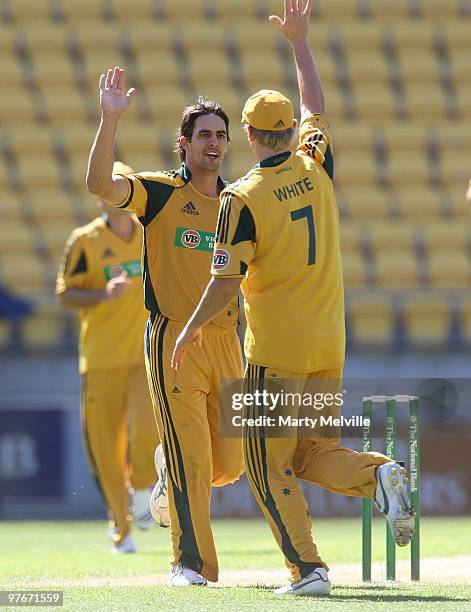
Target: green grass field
[(75, 557)]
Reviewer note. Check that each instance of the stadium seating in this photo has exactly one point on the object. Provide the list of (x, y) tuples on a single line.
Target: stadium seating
[(396, 76)]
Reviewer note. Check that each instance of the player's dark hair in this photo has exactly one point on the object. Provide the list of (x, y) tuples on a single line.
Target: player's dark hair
[(190, 115)]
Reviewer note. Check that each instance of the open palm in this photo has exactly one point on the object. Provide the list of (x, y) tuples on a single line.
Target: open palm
[(113, 96)]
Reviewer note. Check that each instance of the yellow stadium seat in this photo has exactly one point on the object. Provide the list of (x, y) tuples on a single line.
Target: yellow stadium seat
[(44, 329), (54, 234), (406, 136), (16, 237), (78, 165), (465, 319), (335, 102), (419, 65), (412, 35), (239, 144), (439, 9), (425, 101), (98, 61), (99, 37), (5, 178), (49, 37), (447, 236), (88, 208), (163, 69), (455, 33), (137, 10), (153, 162), (182, 9), (404, 168), (326, 66), (350, 136), (30, 138), (77, 137), (51, 68), (371, 320), (19, 106), (397, 269), (22, 273), (9, 37), (39, 171), (375, 102), (368, 203), (449, 269), (351, 238), (395, 236), (419, 202), (451, 135), (353, 169), (463, 93), (233, 10), (52, 205), (459, 206), (85, 10), (228, 97), (5, 334), (384, 9), (333, 10), (460, 68), (12, 71), (356, 35), (455, 167), (365, 67), (135, 137), (427, 320), (151, 37), (237, 165), (13, 206), (205, 67), (262, 70), (37, 11), (248, 34), (64, 105), (355, 271), (166, 103)]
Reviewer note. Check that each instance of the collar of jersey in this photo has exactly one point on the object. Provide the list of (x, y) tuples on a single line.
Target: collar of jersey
[(274, 160), (185, 173)]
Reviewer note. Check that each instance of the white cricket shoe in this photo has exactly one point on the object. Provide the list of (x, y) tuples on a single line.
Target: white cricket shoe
[(316, 583), (159, 496), (392, 499), (125, 546), (181, 576), (141, 508)]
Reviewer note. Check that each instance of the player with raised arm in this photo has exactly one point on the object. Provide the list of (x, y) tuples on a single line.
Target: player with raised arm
[(278, 233), (178, 210)]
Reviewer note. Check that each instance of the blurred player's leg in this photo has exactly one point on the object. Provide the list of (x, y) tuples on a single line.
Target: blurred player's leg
[(181, 413), (105, 434), (228, 463), (143, 438)]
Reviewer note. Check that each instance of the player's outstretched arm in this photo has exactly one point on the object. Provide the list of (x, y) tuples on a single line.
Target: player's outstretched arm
[(114, 101), (295, 27)]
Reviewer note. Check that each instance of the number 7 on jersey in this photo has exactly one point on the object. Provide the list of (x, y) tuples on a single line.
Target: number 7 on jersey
[(306, 213)]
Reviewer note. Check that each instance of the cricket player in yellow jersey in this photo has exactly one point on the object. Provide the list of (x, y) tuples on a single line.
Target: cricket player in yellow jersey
[(101, 276), (178, 211), (278, 233)]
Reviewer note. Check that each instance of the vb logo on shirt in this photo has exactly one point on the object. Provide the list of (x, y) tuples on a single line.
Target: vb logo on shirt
[(133, 268), (194, 239)]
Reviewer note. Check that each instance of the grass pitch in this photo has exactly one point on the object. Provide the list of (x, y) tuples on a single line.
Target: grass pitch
[(75, 557)]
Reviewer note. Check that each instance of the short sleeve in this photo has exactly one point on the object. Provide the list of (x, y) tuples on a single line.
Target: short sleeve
[(235, 238), (74, 270), (315, 141), (136, 199)]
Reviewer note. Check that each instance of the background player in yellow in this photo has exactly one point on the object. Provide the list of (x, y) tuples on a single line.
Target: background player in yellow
[(278, 231), (101, 276), (178, 211)]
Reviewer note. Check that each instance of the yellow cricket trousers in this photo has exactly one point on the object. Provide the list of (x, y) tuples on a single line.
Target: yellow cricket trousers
[(187, 405), (273, 465), (120, 437)]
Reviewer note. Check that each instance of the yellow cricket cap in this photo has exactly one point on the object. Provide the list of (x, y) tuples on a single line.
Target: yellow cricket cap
[(268, 110), (120, 168)]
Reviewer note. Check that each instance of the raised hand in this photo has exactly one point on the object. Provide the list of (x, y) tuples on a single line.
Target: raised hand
[(295, 23), (114, 100)]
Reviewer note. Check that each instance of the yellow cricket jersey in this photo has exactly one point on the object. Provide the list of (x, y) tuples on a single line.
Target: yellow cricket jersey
[(278, 228), (179, 233), (112, 331)]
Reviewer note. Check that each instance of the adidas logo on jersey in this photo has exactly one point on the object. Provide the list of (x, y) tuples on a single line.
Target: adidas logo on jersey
[(280, 123), (176, 390), (190, 209), (107, 253)]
